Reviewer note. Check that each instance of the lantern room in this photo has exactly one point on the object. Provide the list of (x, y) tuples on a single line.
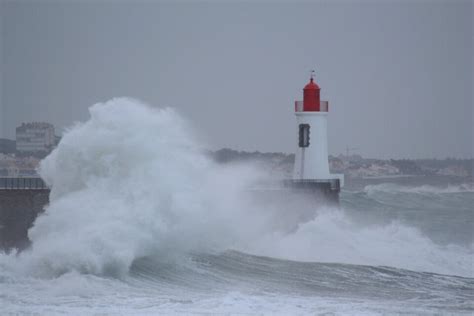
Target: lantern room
[(311, 99)]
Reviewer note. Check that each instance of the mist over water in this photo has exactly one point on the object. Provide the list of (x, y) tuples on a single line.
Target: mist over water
[(132, 182), (134, 195)]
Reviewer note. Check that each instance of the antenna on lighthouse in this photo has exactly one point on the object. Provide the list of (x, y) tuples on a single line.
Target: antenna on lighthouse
[(312, 74)]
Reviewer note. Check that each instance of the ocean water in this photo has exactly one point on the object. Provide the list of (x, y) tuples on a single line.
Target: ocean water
[(141, 222)]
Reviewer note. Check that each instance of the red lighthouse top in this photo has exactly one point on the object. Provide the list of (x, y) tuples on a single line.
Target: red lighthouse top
[(311, 85), (311, 98)]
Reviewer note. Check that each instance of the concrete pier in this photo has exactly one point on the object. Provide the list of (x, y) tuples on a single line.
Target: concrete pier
[(21, 200)]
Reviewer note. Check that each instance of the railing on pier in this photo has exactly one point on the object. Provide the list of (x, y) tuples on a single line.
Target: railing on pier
[(7, 183)]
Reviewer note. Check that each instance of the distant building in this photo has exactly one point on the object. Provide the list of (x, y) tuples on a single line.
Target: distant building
[(7, 146), (35, 137), (454, 170)]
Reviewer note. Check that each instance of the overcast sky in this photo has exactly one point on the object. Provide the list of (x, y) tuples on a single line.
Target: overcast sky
[(398, 75)]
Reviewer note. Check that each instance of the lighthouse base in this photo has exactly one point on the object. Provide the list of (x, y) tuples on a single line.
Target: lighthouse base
[(287, 204), (327, 190)]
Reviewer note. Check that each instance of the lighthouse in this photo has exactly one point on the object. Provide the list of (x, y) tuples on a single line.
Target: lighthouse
[(311, 168)]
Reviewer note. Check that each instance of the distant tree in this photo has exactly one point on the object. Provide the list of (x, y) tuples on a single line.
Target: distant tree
[(406, 166)]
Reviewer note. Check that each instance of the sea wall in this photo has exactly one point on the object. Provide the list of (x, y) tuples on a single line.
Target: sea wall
[(18, 210)]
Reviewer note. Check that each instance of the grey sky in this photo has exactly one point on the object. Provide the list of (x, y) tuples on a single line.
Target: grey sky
[(398, 75)]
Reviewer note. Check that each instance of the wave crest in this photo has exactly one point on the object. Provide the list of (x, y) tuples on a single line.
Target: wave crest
[(133, 182), (422, 189), (130, 182)]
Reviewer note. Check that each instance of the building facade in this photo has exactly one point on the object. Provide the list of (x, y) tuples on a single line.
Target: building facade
[(7, 146), (35, 137)]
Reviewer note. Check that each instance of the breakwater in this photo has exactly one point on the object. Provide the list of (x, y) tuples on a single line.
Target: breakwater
[(21, 201)]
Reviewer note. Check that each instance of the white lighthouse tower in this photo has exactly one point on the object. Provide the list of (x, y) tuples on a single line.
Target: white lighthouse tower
[(311, 158)]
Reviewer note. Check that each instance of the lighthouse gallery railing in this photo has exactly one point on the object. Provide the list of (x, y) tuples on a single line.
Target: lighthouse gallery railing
[(323, 106)]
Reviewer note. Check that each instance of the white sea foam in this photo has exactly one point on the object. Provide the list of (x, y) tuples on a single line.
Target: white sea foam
[(422, 189), (333, 237), (132, 181)]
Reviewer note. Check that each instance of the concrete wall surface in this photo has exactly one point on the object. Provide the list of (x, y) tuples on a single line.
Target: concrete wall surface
[(18, 211)]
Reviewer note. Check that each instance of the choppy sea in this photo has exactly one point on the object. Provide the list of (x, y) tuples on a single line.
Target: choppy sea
[(142, 224)]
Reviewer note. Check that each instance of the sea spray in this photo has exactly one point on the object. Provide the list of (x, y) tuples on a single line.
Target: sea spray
[(333, 237), (130, 182), (134, 182)]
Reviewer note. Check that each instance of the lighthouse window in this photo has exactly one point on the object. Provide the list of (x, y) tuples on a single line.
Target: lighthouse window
[(304, 135)]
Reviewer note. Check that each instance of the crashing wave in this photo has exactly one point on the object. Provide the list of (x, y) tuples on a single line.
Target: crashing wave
[(423, 189)]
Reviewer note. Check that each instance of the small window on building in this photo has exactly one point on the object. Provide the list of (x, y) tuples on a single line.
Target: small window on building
[(304, 135)]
